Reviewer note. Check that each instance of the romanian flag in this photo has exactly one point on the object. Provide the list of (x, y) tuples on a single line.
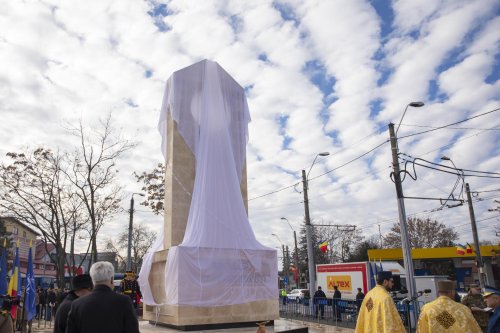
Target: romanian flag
[(15, 283), (468, 248), (295, 273), (3, 270), (460, 249), (323, 247)]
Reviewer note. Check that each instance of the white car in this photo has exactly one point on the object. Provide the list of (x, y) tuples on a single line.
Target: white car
[(298, 295)]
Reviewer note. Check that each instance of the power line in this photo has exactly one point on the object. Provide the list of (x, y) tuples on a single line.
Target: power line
[(354, 159), (269, 193), (341, 166), (448, 125), (455, 128), (458, 140), (449, 167)]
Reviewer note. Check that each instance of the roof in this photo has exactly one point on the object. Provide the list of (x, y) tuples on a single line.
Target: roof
[(40, 248), (16, 221), (432, 253)]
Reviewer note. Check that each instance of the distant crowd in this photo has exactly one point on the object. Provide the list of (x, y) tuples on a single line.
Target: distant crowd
[(90, 306)]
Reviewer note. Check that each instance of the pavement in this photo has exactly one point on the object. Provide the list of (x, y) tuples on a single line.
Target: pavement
[(280, 325)]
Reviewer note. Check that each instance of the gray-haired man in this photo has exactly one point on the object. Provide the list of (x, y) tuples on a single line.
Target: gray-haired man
[(103, 311)]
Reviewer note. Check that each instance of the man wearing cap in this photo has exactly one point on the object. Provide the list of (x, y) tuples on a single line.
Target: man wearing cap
[(474, 301), (378, 312), (130, 287), (492, 300), (82, 286), (445, 315)]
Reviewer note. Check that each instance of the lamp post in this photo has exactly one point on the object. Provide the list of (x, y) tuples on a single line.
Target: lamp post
[(479, 258), (285, 259), (405, 240), (297, 283), (130, 228), (310, 251)]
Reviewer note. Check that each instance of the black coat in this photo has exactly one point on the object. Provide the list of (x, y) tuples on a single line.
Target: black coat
[(103, 311), (62, 313)]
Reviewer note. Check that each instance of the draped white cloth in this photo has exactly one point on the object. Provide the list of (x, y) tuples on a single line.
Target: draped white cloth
[(219, 261)]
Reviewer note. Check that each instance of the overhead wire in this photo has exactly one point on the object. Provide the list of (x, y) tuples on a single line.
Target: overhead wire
[(448, 125)]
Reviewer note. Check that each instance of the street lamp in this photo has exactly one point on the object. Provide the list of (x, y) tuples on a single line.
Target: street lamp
[(310, 250), (479, 258), (297, 283), (413, 104), (285, 259), (130, 225), (405, 240)]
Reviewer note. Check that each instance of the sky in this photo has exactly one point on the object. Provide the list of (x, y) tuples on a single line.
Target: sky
[(320, 76)]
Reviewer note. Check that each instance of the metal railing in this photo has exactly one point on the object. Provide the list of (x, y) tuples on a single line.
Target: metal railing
[(338, 312)]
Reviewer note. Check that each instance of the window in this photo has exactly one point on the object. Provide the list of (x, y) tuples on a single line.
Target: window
[(24, 234)]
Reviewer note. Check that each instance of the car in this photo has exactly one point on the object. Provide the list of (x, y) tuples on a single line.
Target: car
[(298, 295)]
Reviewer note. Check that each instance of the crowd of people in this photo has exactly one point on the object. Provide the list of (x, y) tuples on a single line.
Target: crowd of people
[(91, 306)]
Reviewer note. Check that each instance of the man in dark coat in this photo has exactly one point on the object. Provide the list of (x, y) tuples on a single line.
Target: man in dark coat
[(103, 311), (319, 298), (359, 299), (336, 299), (82, 286)]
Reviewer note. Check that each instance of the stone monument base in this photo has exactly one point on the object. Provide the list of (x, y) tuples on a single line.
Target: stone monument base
[(188, 318)]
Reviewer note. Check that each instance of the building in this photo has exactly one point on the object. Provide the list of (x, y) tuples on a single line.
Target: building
[(23, 235), (446, 261)]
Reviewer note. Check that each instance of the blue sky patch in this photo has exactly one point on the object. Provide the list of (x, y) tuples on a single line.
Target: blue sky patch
[(375, 108), (495, 71), (318, 76), (386, 14), (158, 12), (286, 12)]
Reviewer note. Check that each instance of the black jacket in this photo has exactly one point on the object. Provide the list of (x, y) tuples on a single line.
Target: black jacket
[(62, 313), (103, 311)]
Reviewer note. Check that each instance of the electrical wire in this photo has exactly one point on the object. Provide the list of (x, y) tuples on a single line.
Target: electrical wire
[(329, 171), (455, 128), (448, 125), (349, 162)]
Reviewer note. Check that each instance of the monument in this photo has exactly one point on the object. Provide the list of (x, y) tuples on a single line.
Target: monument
[(207, 270)]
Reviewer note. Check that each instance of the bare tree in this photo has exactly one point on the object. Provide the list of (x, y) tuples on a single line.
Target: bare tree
[(360, 251), (154, 185), (35, 191), (94, 174), (423, 233), (341, 241), (142, 239)]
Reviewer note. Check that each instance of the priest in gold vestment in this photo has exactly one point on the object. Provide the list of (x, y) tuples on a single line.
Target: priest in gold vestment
[(378, 313), (444, 315)]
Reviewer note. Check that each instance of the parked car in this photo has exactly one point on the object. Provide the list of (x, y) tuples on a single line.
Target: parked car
[(298, 295)]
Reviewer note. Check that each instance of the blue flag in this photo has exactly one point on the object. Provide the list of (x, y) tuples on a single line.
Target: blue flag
[(30, 301), (3, 272)]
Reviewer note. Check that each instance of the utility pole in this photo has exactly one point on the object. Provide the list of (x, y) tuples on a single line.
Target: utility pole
[(309, 231), (288, 264), (405, 241), (380, 234), (130, 227), (297, 283), (479, 259)]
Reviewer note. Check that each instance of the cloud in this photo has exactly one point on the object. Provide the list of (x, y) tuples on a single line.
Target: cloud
[(319, 75)]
